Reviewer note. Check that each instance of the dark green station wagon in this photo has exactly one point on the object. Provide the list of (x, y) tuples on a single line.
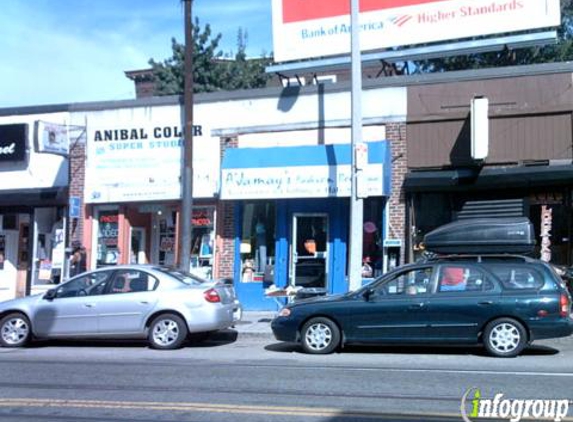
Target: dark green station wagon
[(502, 301)]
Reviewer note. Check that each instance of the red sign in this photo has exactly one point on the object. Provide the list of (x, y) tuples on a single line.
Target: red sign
[(304, 10)]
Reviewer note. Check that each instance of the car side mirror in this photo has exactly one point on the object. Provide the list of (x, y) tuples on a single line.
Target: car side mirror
[(50, 294), (366, 294)]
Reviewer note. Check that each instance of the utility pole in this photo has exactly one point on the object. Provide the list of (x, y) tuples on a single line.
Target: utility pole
[(185, 223), (356, 202)]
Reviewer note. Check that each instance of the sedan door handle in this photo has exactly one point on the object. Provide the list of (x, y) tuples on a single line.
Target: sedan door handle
[(89, 305), (486, 302), (417, 305), (144, 302)]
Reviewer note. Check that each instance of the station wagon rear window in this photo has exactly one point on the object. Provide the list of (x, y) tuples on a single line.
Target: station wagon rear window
[(182, 276), (518, 278)]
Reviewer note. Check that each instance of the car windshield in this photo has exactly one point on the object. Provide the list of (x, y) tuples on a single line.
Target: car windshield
[(182, 276)]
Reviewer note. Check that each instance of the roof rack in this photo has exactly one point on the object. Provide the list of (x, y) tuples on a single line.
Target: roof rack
[(478, 257)]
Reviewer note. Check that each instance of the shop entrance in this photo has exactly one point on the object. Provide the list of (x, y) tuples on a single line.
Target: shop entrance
[(137, 255), (309, 251)]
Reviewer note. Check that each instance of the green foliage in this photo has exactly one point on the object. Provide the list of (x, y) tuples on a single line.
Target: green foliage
[(561, 51), (211, 70)]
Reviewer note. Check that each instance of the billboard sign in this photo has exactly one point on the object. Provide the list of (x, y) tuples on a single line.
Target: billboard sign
[(315, 28)]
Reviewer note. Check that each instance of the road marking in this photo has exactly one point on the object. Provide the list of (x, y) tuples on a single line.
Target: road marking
[(461, 371), (211, 408), (222, 408)]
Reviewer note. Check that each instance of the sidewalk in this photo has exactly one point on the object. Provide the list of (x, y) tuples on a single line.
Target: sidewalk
[(255, 324)]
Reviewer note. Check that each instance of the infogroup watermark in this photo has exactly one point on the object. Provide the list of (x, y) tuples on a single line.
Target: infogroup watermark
[(474, 407)]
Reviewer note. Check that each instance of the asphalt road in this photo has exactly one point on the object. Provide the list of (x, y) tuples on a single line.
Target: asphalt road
[(258, 379)]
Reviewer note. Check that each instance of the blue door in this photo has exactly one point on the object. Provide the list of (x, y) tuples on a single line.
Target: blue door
[(298, 221)]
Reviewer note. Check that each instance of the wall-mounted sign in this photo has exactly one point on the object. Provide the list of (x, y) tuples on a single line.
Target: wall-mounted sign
[(392, 243), (143, 162), (13, 142), (315, 28), (298, 182), (307, 171), (52, 138), (75, 207)]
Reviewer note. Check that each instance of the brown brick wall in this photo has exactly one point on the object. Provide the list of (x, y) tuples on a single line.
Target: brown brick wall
[(396, 135), (77, 162), (226, 225)]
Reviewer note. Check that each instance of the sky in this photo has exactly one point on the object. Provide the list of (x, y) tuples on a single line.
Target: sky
[(69, 51)]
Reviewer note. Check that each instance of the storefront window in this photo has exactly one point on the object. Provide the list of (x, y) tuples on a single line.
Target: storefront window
[(49, 249), (203, 241), (431, 210), (258, 242), (372, 238), (107, 241), (167, 238)]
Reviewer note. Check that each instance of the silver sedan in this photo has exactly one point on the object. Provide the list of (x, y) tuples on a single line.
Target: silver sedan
[(130, 301)]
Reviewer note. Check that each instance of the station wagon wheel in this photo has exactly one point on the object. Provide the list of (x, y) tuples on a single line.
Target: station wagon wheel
[(15, 330), (167, 331), (320, 336), (505, 337)]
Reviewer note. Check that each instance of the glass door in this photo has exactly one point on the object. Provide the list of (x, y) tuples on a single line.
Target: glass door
[(309, 251), (137, 253)]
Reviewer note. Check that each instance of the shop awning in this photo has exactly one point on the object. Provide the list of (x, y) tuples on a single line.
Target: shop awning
[(56, 196), (488, 178), (310, 171)]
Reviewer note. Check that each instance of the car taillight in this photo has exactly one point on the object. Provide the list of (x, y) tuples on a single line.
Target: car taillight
[(564, 306), (212, 296)]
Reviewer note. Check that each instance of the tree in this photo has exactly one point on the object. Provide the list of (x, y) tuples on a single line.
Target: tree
[(211, 70), (242, 72), (561, 51)]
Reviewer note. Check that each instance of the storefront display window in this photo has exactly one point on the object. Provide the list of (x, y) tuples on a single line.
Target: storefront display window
[(107, 241), (258, 241), (167, 238), (372, 254), (49, 249), (202, 243)]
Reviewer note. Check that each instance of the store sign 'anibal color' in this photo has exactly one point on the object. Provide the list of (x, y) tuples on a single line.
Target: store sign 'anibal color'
[(316, 28)]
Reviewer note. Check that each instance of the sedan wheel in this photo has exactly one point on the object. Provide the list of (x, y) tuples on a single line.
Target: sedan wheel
[(14, 330), (167, 332), (505, 337), (320, 336)]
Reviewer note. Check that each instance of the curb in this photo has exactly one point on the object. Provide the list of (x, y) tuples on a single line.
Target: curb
[(233, 334)]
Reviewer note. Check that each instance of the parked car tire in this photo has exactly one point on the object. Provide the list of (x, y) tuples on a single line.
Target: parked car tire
[(15, 330), (167, 331), (504, 337), (320, 336)]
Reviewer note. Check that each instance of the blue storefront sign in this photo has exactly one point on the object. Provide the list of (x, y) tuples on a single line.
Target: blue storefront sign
[(74, 207)]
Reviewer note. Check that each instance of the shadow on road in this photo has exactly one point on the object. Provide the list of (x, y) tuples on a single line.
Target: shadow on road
[(214, 340), (534, 350)]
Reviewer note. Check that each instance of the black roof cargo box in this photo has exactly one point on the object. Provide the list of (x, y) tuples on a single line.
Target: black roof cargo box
[(483, 236)]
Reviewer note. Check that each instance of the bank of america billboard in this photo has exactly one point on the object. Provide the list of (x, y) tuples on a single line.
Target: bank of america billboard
[(314, 28)]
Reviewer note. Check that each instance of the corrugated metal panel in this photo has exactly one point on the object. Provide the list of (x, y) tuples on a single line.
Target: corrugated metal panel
[(513, 139), (493, 209), (522, 138)]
